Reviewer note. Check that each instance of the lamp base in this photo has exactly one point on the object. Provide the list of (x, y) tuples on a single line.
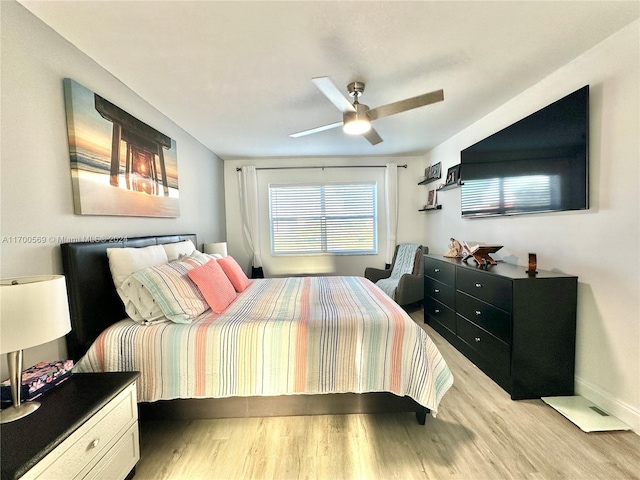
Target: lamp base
[(12, 413), (18, 409)]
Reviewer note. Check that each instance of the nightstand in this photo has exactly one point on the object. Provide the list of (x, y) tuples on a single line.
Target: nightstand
[(85, 427)]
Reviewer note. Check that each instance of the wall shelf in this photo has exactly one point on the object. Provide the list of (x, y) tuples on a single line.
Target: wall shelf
[(448, 186), (428, 180), (437, 207)]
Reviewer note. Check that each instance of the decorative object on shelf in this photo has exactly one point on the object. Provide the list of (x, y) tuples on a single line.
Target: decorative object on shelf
[(455, 249), (219, 248), (432, 209), (453, 175), (35, 310), (432, 200), (480, 252), (432, 173), (533, 264)]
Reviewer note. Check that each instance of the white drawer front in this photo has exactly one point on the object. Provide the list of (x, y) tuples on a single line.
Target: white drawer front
[(86, 446), (120, 459)]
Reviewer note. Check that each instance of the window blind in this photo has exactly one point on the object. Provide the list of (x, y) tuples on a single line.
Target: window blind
[(339, 219)]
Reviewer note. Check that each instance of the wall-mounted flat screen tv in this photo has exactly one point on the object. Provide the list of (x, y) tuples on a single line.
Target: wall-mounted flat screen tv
[(538, 164)]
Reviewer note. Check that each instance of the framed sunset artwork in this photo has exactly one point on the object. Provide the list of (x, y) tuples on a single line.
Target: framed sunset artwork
[(119, 164)]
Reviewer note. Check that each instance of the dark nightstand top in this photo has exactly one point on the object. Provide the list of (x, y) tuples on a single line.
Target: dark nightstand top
[(63, 410)]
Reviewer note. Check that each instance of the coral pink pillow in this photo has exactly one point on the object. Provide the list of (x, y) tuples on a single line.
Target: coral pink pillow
[(214, 285), (234, 272)]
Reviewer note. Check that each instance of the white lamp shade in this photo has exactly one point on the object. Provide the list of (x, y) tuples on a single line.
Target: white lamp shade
[(34, 310), (219, 248)]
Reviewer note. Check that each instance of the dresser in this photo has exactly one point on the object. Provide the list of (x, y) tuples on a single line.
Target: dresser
[(517, 328), (86, 427)]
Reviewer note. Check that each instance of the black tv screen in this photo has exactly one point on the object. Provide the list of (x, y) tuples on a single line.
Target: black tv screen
[(538, 164)]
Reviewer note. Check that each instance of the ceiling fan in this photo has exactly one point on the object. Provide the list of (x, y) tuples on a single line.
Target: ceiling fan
[(357, 117)]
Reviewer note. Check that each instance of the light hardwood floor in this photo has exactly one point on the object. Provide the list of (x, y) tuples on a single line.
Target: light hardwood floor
[(479, 433)]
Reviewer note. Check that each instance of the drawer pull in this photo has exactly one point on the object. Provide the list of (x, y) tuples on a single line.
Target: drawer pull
[(478, 312), (477, 339), (437, 270), (478, 285), (94, 444), (437, 290)]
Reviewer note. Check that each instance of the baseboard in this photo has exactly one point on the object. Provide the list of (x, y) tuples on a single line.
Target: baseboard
[(626, 413)]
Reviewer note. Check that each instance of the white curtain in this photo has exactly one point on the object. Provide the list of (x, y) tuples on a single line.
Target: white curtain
[(391, 204), (248, 187)]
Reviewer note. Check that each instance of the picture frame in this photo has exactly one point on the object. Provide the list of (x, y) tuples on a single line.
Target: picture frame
[(453, 175), (119, 164), (432, 198), (433, 172)]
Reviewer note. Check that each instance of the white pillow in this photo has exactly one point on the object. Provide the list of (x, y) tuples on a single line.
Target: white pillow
[(125, 261), (176, 250), (140, 304)]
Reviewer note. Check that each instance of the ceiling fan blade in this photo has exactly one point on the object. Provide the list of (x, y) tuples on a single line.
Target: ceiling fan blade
[(333, 93), (408, 104), (372, 136), (316, 130)]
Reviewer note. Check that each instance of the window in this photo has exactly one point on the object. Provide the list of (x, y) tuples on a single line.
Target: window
[(338, 219)]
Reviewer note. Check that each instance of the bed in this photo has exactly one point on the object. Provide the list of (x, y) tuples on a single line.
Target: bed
[(284, 346)]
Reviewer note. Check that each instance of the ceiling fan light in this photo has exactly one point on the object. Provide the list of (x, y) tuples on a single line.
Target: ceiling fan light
[(356, 123)]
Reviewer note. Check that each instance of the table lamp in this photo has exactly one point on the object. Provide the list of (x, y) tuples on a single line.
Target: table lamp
[(34, 310), (219, 248)]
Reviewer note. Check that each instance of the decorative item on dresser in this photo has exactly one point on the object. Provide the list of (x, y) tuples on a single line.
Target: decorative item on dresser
[(480, 252), (519, 329), (454, 249), (87, 427)]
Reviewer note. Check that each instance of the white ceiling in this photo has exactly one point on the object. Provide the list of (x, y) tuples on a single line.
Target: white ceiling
[(236, 75)]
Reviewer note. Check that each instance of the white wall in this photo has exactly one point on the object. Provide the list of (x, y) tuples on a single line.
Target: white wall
[(600, 245), (410, 222), (36, 194)]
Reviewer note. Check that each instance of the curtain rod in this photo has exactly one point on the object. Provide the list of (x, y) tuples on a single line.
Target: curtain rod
[(323, 167)]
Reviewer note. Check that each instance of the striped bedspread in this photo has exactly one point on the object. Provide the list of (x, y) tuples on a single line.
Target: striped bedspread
[(281, 336)]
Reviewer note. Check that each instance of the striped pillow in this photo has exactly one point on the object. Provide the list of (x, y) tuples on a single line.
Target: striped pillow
[(214, 285), (176, 295)]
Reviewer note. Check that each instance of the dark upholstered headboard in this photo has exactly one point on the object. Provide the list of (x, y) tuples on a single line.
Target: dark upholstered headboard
[(93, 301)]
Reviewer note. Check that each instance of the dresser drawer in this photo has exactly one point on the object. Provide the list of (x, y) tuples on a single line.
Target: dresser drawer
[(492, 319), (488, 288), (119, 461), (87, 445), (492, 349), (440, 313), (440, 270), (439, 291)]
